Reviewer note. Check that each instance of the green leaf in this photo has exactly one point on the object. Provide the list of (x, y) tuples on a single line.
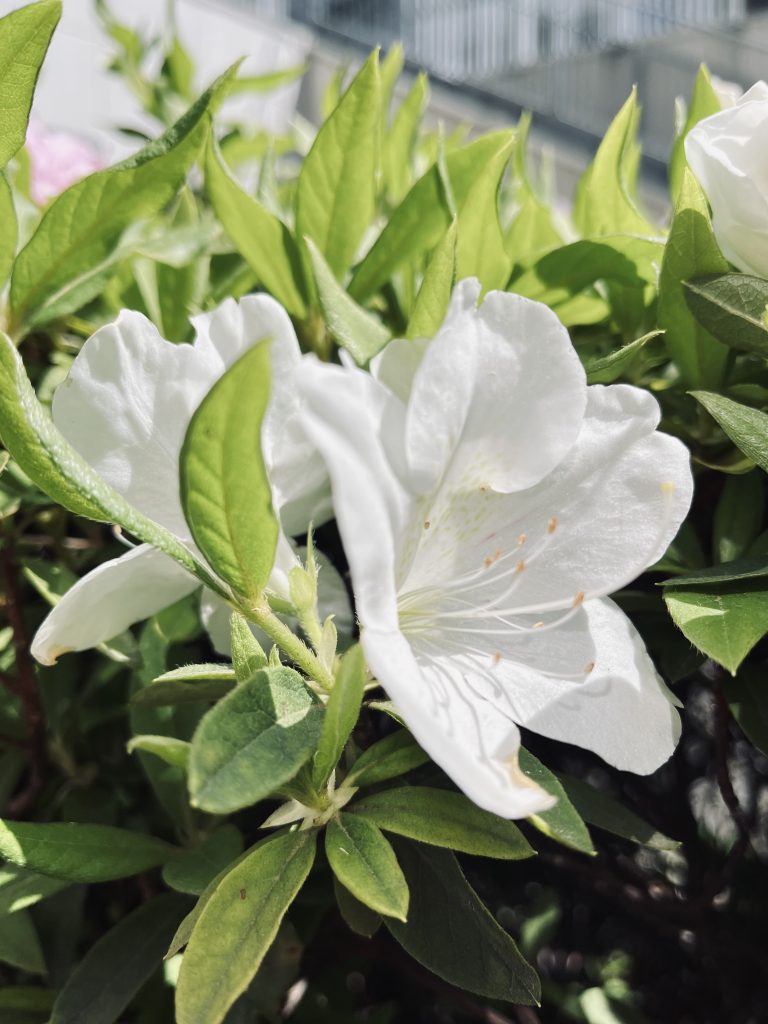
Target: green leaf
[(247, 655), (351, 326), (562, 822), (193, 870), (724, 622), (8, 229), (746, 427), (400, 141), (748, 701), (81, 853), (49, 461), (119, 964), (167, 748), (68, 259), (336, 190), (253, 741), (386, 759), (19, 943), (691, 252), (20, 888), (185, 685), (740, 569), (225, 491), (341, 714), (24, 38), (738, 515), (732, 308), (259, 236), (480, 247), (604, 812), (421, 220), (452, 933), (443, 818), (238, 924), (606, 369), (532, 231), (267, 82), (359, 918), (391, 67), (704, 103), (365, 863), (605, 203), (434, 295)]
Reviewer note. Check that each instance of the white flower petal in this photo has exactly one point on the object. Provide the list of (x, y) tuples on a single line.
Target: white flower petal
[(497, 398), (109, 599), (468, 737)]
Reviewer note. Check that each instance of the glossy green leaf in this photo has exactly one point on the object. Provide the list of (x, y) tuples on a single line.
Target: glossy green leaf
[(748, 700), (691, 252), (725, 622), (434, 295), (562, 822), (480, 248), (68, 259), (602, 811), (452, 934), (336, 190), (8, 229), (24, 38), (186, 685), (358, 331), (28, 433), (443, 818), (386, 759), (19, 943), (167, 748), (359, 918), (194, 869), (81, 853), (252, 899), (259, 236), (253, 741), (400, 141), (225, 491), (732, 307), (365, 863), (704, 103), (421, 220), (739, 515), (247, 654), (119, 964), (746, 427), (341, 714), (607, 369)]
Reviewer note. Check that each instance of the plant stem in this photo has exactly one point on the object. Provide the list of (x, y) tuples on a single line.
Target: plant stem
[(263, 616)]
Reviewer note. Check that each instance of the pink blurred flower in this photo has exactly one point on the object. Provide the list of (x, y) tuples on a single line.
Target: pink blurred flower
[(57, 160)]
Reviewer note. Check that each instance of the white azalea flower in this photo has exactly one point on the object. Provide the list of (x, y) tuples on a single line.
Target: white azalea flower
[(488, 500), (125, 406)]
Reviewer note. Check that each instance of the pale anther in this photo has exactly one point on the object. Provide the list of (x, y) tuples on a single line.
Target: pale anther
[(552, 525), (579, 599)]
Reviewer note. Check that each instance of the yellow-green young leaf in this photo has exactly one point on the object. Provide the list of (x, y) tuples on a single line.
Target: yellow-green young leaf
[(247, 654), (746, 427), (19, 943), (352, 327), (386, 759), (443, 818), (238, 924), (421, 220), (434, 295), (452, 934), (562, 822), (127, 955), (24, 38), (480, 249), (263, 241), (391, 65), (167, 748), (704, 103), (604, 812), (400, 141), (8, 229), (81, 853), (69, 257), (725, 622), (365, 863), (605, 203), (532, 230), (691, 251), (336, 190), (606, 369), (341, 714), (225, 491), (28, 433), (194, 869), (186, 685), (253, 741)]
